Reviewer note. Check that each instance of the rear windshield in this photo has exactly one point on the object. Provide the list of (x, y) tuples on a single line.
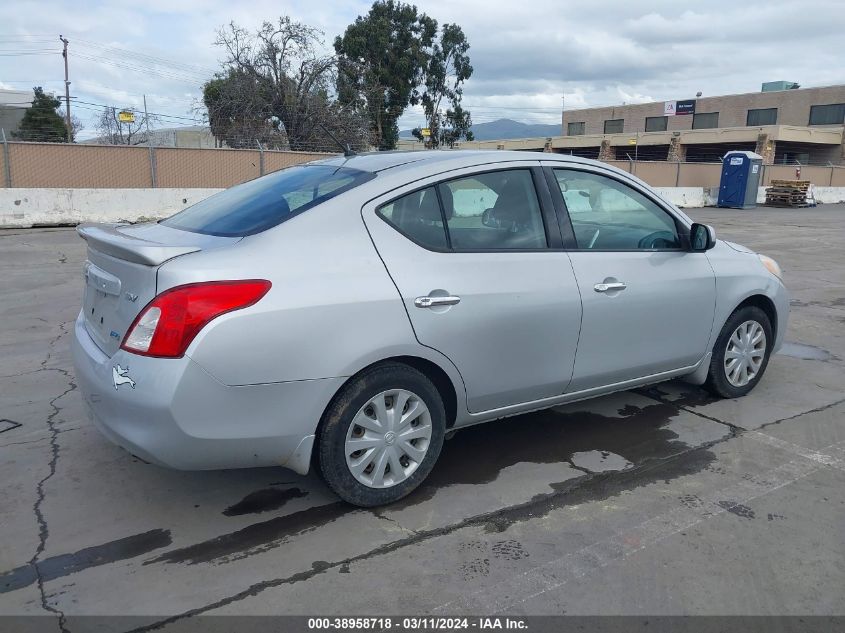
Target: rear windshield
[(262, 203)]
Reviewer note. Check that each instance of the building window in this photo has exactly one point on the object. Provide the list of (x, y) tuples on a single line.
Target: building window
[(830, 114), (656, 123), (705, 120), (575, 128), (613, 126), (763, 116)]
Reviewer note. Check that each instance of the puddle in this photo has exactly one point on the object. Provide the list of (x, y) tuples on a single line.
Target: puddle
[(600, 461), (804, 352), (476, 456), (263, 500), (66, 564)]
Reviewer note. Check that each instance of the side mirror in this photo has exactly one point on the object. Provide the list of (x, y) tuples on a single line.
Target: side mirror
[(489, 219), (701, 237)]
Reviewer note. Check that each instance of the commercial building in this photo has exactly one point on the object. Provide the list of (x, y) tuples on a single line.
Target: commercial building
[(13, 105), (787, 126)]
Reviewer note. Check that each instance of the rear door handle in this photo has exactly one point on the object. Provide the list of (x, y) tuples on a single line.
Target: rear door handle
[(611, 287), (431, 302)]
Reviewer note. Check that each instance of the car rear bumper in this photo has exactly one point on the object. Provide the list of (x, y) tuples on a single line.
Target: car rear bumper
[(177, 415)]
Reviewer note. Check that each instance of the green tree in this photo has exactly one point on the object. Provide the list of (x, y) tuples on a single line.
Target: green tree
[(41, 121), (447, 69), (382, 60)]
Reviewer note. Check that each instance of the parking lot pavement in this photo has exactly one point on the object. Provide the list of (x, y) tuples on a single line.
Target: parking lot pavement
[(655, 501)]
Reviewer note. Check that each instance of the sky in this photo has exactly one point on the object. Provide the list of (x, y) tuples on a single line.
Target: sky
[(529, 57)]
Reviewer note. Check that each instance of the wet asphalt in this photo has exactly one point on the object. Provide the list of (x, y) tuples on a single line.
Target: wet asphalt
[(660, 500)]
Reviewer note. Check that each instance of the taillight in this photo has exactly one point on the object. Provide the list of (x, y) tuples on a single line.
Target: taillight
[(168, 324)]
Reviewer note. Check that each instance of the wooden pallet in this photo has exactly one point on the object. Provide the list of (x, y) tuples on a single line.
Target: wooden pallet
[(788, 193), (801, 185)]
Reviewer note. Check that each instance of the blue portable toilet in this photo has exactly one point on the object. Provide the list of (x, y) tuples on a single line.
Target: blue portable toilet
[(740, 180)]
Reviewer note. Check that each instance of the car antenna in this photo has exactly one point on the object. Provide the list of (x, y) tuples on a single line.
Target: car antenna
[(347, 150)]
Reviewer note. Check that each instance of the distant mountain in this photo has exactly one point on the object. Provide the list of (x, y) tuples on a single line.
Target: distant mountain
[(505, 128)]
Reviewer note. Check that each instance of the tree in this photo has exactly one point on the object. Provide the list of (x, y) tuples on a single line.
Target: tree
[(239, 112), (447, 69), (113, 131), (276, 88), (41, 121), (382, 60)]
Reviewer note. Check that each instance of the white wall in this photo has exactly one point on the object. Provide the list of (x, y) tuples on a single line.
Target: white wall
[(27, 207)]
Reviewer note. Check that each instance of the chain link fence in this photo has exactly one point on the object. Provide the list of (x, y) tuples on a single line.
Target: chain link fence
[(63, 165)]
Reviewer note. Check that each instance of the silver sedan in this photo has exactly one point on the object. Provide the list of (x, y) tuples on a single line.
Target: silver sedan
[(348, 313)]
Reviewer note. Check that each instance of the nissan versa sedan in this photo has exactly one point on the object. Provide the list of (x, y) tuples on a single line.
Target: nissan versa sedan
[(350, 312)]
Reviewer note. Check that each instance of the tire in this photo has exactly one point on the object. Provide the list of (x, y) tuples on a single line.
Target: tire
[(372, 399), (735, 381)]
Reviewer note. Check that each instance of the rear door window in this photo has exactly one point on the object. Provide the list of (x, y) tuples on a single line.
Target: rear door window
[(257, 205), (497, 210), (492, 211)]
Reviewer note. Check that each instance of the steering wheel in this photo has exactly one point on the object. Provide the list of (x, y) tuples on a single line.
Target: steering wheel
[(594, 238), (658, 239)]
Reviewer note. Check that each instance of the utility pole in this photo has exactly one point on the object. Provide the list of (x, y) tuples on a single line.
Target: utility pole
[(67, 90), (153, 175)]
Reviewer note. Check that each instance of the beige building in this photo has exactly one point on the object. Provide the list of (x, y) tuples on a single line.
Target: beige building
[(788, 127), (785, 122), (809, 107)]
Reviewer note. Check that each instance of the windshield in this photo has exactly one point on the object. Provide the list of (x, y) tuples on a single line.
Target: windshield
[(262, 203)]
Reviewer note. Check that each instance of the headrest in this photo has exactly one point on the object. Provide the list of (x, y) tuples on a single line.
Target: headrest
[(429, 210)]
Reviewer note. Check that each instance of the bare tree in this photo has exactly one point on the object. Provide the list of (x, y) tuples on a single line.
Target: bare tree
[(76, 126), (113, 131), (277, 85)]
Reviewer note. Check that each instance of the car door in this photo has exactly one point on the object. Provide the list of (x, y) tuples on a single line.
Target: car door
[(478, 260), (648, 303)]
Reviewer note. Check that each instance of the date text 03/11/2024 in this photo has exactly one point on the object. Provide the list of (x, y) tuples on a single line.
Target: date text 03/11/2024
[(416, 623)]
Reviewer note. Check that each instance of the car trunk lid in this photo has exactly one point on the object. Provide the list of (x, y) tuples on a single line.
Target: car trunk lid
[(121, 272)]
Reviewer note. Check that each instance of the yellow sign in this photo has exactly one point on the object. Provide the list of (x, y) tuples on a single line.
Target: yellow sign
[(632, 141), (124, 116), (426, 131)]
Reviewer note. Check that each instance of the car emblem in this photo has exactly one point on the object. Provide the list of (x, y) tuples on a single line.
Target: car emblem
[(114, 334), (131, 297), (120, 376)]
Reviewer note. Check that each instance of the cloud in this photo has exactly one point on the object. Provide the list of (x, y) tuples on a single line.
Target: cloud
[(525, 56)]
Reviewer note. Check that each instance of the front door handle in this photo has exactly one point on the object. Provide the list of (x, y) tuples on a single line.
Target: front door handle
[(431, 302), (610, 287)]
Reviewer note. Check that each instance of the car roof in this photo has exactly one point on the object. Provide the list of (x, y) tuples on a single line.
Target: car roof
[(400, 160)]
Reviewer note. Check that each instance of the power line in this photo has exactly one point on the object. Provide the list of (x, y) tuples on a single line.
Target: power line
[(152, 58)]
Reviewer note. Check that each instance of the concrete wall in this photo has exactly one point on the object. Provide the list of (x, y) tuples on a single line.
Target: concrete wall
[(28, 207), (20, 208)]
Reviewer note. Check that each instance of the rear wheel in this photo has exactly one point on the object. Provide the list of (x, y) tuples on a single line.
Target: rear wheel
[(741, 353), (381, 435)]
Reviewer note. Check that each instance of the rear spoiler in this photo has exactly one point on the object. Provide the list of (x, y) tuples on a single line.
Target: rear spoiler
[(106, 238)]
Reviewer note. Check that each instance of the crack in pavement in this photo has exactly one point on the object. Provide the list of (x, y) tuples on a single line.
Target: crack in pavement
[(43, 529), (798, 415)]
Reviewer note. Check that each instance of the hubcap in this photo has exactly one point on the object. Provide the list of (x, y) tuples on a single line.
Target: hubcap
[(744, 353), (388, 438)]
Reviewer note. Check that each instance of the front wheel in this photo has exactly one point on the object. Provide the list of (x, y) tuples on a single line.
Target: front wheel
[(741, 353), (381, 435)]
